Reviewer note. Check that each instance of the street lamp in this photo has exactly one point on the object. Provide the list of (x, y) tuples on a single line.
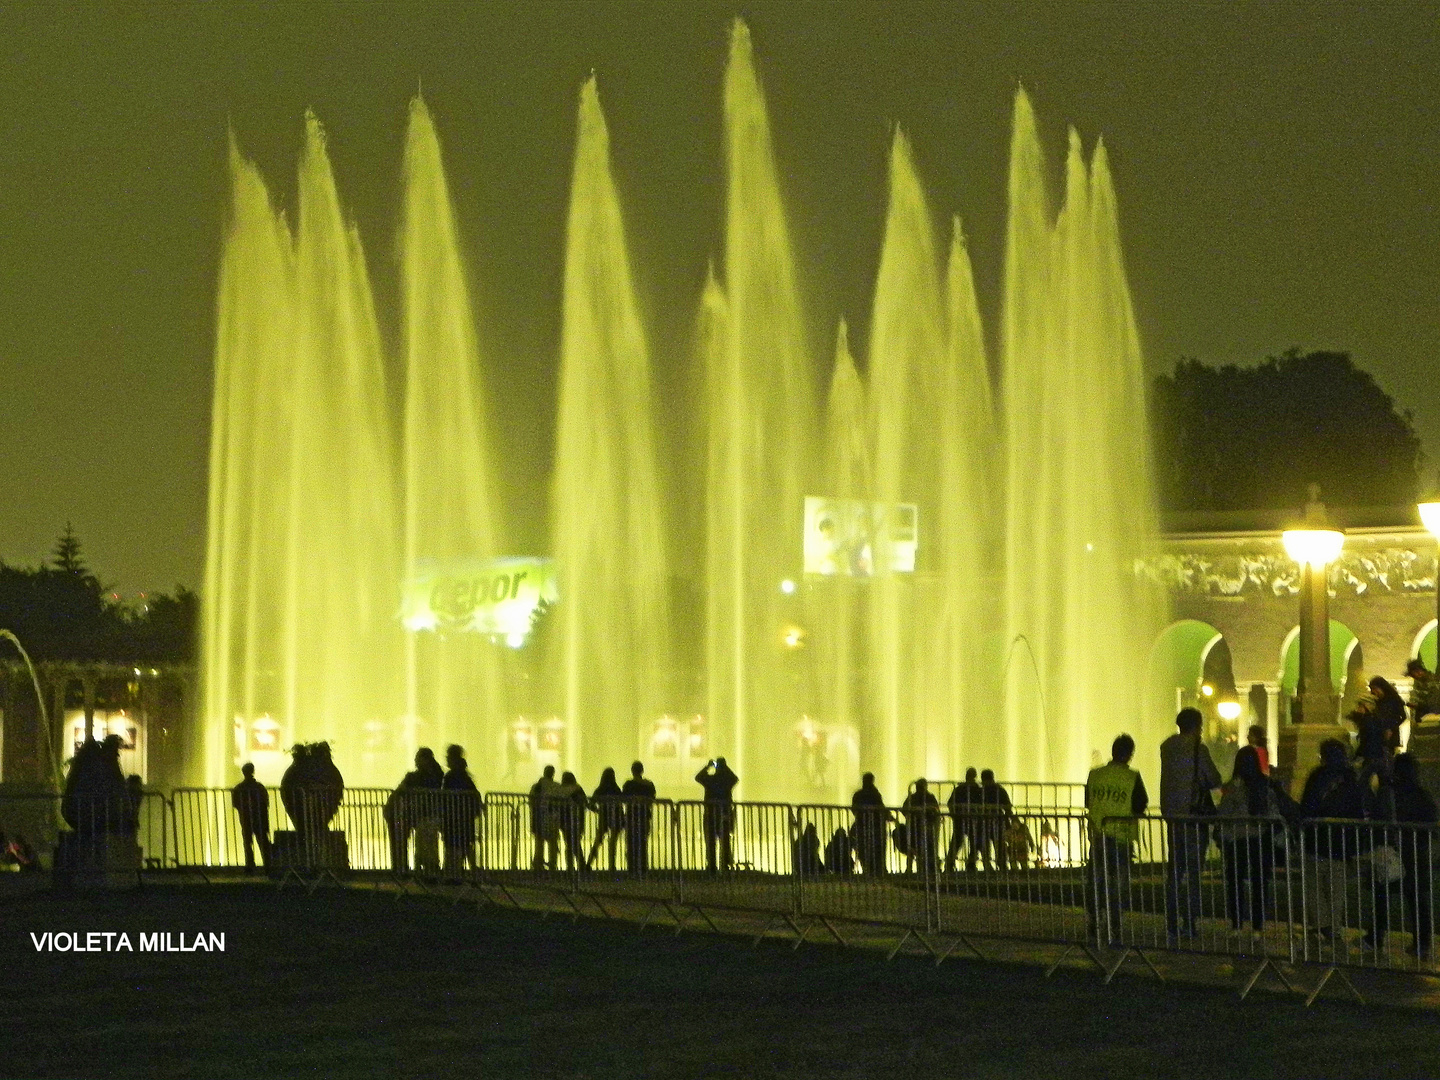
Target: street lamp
[(1430, 515), (1314, 545)]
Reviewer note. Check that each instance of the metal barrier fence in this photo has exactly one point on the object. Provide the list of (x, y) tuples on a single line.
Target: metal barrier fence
[(67, 830), (1337, 893)]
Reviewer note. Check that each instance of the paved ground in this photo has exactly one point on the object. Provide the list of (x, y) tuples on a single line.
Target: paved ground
[(352, 983)]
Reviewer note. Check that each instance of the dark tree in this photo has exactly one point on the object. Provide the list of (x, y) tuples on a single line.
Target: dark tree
[(67, 553), (1238, 438), (62, 612)]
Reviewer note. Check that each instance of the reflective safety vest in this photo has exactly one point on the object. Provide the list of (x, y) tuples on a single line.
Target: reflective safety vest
[(1109, 790)]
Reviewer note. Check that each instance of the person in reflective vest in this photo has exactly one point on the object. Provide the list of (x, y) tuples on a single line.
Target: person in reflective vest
[(1114, 797)]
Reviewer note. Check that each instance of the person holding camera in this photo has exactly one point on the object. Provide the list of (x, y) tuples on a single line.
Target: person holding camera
[(719, 783)]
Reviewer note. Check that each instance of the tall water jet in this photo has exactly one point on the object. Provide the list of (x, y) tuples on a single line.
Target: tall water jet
[(1081, 507), (251, 423), (907, 358), (840, 606), (967, 530), (608, 538), (1027, 420), (761, 437), (454, 689)]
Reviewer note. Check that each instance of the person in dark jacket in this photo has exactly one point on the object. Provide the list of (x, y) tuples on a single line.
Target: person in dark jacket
[(1379, 739), (639, 795), (461, 806), (839, 854), (573, 805), (921, 811), (1335, 806), (606, 801), (996, 816), (1415, 816), (252, 804), (805, 853), (868, 806), (719, 782), (409, 805), (964, 806)]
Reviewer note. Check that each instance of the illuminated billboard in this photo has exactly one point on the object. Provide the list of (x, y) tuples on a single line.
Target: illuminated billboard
[(846, 537), (495, 597)]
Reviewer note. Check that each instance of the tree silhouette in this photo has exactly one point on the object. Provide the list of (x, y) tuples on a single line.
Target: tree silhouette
[(61, 612), (1234, 438)]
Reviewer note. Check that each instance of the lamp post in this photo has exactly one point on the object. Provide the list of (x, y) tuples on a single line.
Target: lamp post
[(1314, 545), (1430, 515)]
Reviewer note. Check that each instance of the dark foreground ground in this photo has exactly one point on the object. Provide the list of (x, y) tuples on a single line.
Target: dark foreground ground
[(353, 984)]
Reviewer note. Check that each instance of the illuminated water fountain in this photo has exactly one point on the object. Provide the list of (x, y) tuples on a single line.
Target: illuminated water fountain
[(918, 583)]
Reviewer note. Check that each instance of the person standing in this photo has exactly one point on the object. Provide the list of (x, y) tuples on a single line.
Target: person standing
[(868, 806), (573, 804), (639, 796), (921, 811), (1255, 737), (1332, 791), (545, 821), (462, 807), (407, 807), (1187, 777), (607, 802), (719, 783), (1424, 690), (252, 803), (996, 815), (1248, 825), (1114, 797), (1415, 808), (964, 805)]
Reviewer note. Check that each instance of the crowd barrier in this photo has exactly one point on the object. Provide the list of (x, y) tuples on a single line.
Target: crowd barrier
[(1337, 893), (1022, 795)]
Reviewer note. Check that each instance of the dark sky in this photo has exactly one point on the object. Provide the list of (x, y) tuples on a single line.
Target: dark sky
[(1278, 167)]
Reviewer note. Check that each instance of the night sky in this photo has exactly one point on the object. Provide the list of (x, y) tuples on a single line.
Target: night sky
[(1278, 168)]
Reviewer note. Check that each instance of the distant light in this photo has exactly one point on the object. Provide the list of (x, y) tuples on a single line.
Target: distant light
[(1207, 690), (1089, 547), (793, 637), (515, 640), (1228, 710), (787, 586), (1314, 547), (1430, 515)]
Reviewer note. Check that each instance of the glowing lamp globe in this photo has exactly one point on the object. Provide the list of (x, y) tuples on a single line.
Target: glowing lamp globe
[(1430, 515), (1314, 547), (1228, 710)]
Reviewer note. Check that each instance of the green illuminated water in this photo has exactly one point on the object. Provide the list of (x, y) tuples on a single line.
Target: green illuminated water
[(1008, 645)]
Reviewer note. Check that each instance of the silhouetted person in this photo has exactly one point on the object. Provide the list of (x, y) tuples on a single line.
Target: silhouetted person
[(572, 820), (839, 854), (1187, 777), (719, 783), (1248, 825), (607, 802), (1424, 690), (1256, 737), (1114, 797), (964, 804), (639, 795), (1414, 806), (545, 821), (871, 816), (805, 853), (410, 805), (922, 828), (995, 817), (252, 804), (1332, 791), (460, 808), (1379, 739)]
